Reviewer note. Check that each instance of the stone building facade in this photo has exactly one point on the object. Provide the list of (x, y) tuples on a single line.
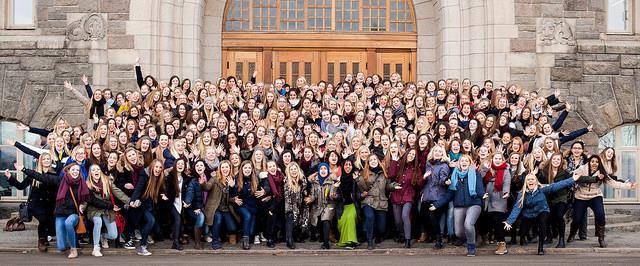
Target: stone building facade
[(537, 44)]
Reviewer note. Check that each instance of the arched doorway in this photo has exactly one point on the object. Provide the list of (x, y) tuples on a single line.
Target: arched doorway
[(318, 39)]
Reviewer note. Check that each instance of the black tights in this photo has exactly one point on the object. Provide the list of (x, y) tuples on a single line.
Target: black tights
[(541, 222), (497, 219)]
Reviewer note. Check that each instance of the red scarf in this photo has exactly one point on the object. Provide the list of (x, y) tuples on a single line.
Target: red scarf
[(497, 185), (81, 194)]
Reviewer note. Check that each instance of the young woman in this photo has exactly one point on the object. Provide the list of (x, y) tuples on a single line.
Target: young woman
[(193, 202), (348, 220), (532, 202), (294, 185), (41, 196), (275, 206), (244, 192), (146, 194), (558, 201), (101, 208), (402, 199), (497, 180), (374, 185), (218, 208), (176, 185), (322, 200), (466, 191), (589, 195), (434, 188)]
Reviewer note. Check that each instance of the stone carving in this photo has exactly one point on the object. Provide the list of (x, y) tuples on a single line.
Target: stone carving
[(556, 31), (90, 27)]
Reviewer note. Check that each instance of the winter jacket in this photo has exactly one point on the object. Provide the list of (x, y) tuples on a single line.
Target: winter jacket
[(535, 202), (434, 186), (495, 202), (42, 196), (461, 196), (376, 187)]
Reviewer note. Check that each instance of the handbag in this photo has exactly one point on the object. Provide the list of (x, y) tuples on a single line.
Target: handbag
[(25, 215), (120, 220), (9, 225), (80, 228)]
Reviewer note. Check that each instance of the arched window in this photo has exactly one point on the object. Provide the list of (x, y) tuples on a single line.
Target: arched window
[(319, 15), (624, 139)]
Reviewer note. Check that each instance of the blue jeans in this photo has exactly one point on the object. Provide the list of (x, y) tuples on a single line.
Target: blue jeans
[(199, 218), (374, 217), (248, 221), (112, 229), (136, 216), (229, 223), (450, 220), (66, 231), (580, 210)]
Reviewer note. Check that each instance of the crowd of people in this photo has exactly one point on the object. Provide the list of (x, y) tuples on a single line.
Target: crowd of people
[(347, 165)]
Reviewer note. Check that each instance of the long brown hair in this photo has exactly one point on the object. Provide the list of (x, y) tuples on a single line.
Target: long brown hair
[(365, 173), (414, 164), (613, 163), (254, 177), (549, 167), (155, 183)]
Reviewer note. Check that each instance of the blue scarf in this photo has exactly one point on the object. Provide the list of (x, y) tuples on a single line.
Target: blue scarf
[(471, 177), (321, 179), (454, 156)]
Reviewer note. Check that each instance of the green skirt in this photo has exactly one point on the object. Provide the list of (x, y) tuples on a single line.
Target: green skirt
[(347, 226)]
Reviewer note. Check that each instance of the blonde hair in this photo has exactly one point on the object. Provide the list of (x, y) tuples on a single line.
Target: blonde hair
[(524, 188), (294, 185), (106, 182)]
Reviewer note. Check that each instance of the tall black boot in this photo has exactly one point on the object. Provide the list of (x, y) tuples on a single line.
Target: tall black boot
[(325, 234), (561, 243), (439, 244), (572, 233), (540, 247), (370, 244), (600, 233), (407, 243)]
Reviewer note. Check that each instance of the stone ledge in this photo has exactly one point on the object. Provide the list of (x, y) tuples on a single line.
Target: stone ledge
[(609, 46)]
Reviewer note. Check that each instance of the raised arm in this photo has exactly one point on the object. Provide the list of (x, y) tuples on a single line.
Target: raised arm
[(139, 77)]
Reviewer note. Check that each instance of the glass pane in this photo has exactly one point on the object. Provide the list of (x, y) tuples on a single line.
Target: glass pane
[(7, 132), (343, 71), (629, 135), (386, 71), (283, 70), (252, 68), (5, 189), (307, 71), (628, 171), (355, 68), (23, 12), (607, 140), (295, 70), (399, 69), (617, 15), (7, 157), (330, 72), (239, 68)]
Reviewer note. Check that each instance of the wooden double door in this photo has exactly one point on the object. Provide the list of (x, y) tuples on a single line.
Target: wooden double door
[(316, 65)]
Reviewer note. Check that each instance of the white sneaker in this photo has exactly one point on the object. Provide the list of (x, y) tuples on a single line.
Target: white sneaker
[(51, 238), (150, 240), (138, 235), (208, 239), (104, 242), (142, 251), (256, 240), (262, 238), (96, 251)]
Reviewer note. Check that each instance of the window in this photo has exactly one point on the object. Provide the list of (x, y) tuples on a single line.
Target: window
[(20, 14), (9, 154), (619, 13), (624, 140), (319, 15)]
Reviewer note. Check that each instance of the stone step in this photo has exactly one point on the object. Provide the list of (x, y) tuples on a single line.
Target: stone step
[(624, 227), (615, 219)]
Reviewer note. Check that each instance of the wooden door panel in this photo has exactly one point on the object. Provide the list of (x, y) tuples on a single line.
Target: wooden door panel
[(389, 63), (241, 64), (293, 64), (338, 64)]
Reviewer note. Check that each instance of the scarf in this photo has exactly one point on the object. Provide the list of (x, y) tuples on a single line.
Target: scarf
[(134, 174), (321, 179), (97, 188), (81, 194), (470, 175), (276, 183), (97, 107), (454, 156), (497, 185)]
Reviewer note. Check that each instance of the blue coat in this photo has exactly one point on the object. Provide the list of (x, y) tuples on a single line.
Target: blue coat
[(461, 196), (193, 196), (434, 187), (535, 202)]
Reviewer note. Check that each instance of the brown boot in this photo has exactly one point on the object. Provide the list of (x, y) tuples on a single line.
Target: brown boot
[(232, 239), (42, 244), (73, 253), (600, 233), (423, 238), (572, 233), (501, 249), (197, 234)]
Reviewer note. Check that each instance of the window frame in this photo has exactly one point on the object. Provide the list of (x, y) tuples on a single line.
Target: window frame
[(9, 24), (16, 195), (618, 195), (630, 21)]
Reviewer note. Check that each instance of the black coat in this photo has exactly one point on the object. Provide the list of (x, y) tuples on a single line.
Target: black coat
[(42, 198)]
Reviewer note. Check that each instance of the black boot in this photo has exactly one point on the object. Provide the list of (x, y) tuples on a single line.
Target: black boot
[(407, 243), (370, 244), (439, 244), (561, 243), (572, 233), (176, 245), (245, 243), (540, 247), (600, 233), (325, 235)]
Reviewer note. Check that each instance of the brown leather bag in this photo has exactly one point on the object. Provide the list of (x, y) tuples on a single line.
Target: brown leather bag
[(9, 225), (80, 228)]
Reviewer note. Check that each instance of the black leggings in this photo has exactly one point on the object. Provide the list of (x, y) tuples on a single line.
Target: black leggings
[(557, 217), (539, 222), (177, 224), (432, 218), (497, 219), (46, 224)]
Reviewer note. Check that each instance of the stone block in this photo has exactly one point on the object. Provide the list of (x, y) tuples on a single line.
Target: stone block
[(115, 6), (611, 114), (590, 112), (626, 72), (551, 10), (591, 46), (523, 45), (72, 70), (576, 5), (622, 47), (602, 92), (566, 74), (40, 77), (9, 109), (66, 2), (602, 68), (624, 89), (37, 63), (6, 45), (608, 57), (120, 42), (25, 53), (89, 6), (49, 108), (9, 60), (12, 88), (29, 105), (527, 10), (630, 61), (580, 89)]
